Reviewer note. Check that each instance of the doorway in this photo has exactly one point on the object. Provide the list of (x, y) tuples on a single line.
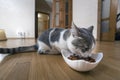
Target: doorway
[(108, 19), (41, 23)]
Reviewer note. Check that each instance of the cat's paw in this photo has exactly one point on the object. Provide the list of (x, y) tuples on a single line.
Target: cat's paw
[(42, 51)]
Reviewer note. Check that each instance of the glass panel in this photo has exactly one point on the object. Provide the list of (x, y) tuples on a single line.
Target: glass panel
[(66, 22), (57, 7), (57, 20), (66, 7), (105, 26), (105, 8)]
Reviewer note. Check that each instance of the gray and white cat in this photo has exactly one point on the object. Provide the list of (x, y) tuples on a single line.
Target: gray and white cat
[(53, 40)]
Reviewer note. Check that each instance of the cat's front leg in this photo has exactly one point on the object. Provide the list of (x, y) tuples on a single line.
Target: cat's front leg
[(43, 48), (48, 51), (42, 51)]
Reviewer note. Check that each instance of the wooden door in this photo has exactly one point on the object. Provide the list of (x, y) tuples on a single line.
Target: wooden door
[(108, 21)]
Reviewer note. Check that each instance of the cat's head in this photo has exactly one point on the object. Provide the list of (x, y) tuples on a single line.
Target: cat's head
[(83, 40)]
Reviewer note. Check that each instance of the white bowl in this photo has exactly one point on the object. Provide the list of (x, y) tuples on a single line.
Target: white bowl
[(81, 65)]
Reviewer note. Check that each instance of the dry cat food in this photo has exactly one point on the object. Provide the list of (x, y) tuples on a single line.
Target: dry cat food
[(77, 57)]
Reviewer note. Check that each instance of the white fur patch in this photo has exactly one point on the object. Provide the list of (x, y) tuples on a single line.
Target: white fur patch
[(118, 25), (42, 46), (2, 56)]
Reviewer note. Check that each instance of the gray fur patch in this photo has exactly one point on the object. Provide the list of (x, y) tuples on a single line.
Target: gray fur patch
[(66, 34), (87, 35), (44, 37), (55, 35)]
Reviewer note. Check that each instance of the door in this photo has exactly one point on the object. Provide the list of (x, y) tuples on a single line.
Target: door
[(42, 23), (62, 13), (108, 20)]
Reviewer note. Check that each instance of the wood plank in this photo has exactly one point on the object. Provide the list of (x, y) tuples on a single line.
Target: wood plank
[(19, 72)]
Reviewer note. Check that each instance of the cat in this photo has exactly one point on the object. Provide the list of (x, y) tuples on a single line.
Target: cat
[(52, 41), (117, 34), (118, 22)]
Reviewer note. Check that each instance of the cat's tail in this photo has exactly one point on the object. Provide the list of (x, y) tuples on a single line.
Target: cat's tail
[(18, 49), (8, 51)]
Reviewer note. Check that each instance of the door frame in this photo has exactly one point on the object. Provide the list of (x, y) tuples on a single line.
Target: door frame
[(99, 20), (36, 22)]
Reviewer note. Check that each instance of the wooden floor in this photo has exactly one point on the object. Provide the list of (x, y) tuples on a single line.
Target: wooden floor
[(32, 66)]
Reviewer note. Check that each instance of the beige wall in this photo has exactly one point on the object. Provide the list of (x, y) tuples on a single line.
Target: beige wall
[(85, 13), (17, 16)]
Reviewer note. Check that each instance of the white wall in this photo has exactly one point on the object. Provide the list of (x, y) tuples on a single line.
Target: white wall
[(118, 6), (17, 16), (85, 13)]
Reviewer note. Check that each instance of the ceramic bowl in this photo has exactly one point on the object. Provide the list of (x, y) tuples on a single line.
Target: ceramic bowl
[(81, 65)]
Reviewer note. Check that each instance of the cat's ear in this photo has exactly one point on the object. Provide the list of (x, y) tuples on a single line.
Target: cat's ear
[(90, 28), (74, 29)]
